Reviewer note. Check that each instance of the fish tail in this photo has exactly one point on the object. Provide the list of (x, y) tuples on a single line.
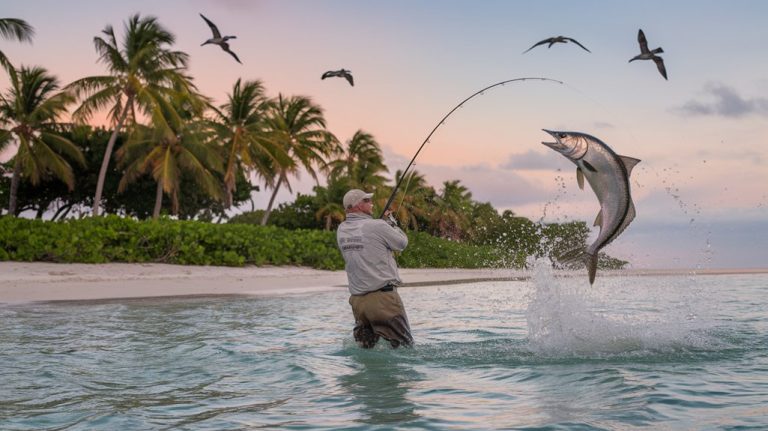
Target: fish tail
[(578, 257), (571, 257), (591, 261)]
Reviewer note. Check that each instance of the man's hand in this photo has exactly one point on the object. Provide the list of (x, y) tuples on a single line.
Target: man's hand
[(390, 219)]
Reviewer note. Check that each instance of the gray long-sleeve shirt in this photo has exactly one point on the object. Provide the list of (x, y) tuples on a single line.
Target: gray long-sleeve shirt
[(367, 244)]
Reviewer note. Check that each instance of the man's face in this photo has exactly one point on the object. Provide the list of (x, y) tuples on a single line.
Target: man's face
[(366, 206)]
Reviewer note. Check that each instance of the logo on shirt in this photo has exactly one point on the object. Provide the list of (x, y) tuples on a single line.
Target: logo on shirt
[(351, 243)]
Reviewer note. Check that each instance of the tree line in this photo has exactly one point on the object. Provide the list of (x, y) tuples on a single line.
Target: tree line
[(167, 128), (170, 149)]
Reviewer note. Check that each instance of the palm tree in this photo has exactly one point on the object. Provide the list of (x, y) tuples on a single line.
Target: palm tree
[(18, 29), (361, 164), (451, 218), (330, 210), (142, 72), (240, 125), (180, 143), (28, 112), (298, 126), (411, 204)]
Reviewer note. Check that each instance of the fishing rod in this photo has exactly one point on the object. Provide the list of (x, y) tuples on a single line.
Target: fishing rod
[(441, 122)]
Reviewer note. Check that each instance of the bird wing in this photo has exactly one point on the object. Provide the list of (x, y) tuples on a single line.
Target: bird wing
[(660, 65), (641, 40), (577, 43), (225, 47), (213, 27), (330, 74), (537, 44), (349, 78)]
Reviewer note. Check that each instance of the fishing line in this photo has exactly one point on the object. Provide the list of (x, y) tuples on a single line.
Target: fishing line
[(405, 191), (442, 121)]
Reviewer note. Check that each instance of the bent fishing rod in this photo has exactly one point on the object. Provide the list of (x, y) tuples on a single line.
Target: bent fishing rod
[(441, 122)]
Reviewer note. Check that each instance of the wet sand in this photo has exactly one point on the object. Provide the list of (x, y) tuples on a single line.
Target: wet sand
[(39, 281)]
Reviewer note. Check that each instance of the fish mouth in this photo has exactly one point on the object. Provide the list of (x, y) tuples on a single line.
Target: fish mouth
[(557, 145)]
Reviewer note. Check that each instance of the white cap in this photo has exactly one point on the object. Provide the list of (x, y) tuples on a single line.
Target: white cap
[(354, 196)]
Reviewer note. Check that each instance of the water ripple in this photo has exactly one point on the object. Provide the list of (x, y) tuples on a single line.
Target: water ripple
[(650, 352)]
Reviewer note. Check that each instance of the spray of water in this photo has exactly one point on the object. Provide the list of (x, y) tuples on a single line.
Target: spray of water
[(671, 180), (568, 318)]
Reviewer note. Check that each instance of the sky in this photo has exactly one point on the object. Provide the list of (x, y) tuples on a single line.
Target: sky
[(701, 190)]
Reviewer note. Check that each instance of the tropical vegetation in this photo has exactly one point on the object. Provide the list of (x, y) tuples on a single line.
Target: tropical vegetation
[(172, 165)]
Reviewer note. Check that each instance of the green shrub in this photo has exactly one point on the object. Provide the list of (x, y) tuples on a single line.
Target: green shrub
[(117, 239)]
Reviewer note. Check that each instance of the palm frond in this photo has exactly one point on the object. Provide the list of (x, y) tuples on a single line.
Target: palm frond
[(18, 29), (62, 145), (98, 101), (48, 161)]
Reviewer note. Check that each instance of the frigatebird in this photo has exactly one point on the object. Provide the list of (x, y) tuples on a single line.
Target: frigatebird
[(646, 54), (558, 39), (341, 73), (218, 39)]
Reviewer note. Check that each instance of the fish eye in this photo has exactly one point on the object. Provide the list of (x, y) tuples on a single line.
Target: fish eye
[(561, 135)]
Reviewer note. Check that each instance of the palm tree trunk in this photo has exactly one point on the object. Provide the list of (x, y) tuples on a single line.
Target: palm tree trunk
[(15, 180), (158, 200), (272, 199), (107, 156), (229, 184), (228, 198), (175, 203)]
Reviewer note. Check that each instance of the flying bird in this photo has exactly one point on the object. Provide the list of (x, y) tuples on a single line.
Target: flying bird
[(646, 54), (553, 40), (341, 73), (218, 39)]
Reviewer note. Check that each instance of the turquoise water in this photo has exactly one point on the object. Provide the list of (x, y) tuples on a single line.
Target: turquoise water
[(672, 352)]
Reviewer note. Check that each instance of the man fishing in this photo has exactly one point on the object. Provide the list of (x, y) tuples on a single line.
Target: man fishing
[(367, 245)]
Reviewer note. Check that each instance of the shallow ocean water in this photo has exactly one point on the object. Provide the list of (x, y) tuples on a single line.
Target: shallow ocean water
[(654, 352)]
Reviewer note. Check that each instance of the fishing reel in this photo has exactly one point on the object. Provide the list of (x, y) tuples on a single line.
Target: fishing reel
[(391, 220)]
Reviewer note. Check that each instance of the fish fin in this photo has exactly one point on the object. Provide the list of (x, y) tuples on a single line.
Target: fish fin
[(591, 261), (599, 219), (629, 163), (580, 178), (570, 259), (588, 166)]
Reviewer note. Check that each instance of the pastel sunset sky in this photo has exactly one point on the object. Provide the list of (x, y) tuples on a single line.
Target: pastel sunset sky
[(701, 190)]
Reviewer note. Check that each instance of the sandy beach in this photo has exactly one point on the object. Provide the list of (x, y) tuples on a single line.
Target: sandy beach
[(39, 281)]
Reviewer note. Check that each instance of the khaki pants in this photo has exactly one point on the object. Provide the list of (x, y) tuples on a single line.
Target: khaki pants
[(380, 314)]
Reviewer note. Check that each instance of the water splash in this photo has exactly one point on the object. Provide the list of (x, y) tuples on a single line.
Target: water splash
[(553, 204), (670, 180), (567, 318)]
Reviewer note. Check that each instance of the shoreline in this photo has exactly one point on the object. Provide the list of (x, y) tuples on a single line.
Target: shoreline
[(40, 281)]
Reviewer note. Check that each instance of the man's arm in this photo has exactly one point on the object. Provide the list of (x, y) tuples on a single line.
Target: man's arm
[(393, 236)]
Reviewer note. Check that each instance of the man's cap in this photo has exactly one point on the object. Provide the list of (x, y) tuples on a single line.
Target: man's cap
[(354, 196)]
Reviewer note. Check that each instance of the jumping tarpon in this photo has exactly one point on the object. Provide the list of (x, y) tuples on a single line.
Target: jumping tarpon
[(608, 175)]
